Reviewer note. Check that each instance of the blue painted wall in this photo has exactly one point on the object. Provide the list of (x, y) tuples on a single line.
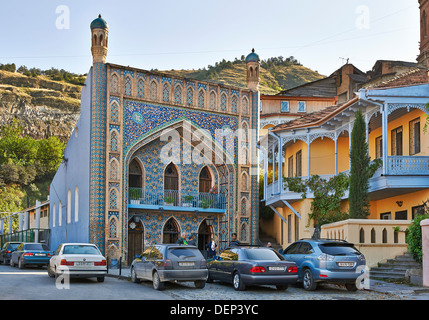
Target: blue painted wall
[(71, 174)]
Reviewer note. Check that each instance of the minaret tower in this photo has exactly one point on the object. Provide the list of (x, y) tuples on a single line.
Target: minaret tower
[(253, 66), (99, 33)]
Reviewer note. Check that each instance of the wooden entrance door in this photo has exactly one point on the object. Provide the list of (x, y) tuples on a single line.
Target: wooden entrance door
[(204, 235), (135, 240)]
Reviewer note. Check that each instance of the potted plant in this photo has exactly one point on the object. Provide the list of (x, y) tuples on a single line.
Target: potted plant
[(135, 196), (188, 201), (168, 201), (205, 203)]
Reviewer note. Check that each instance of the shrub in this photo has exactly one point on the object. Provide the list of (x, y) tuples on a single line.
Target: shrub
[(414, 237)]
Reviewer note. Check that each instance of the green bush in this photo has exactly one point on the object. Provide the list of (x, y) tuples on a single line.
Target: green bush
[(414, 237)]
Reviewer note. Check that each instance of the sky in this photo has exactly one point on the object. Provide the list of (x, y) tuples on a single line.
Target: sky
[(192, 34)]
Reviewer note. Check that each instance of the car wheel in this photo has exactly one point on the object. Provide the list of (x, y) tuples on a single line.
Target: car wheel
[(100, 279), (134, 276), (157, 284), (237, 282), (351, 286), (50, 274), (282, 288), (308, 281), (21, 264), (12, 264), (5, 261), (199, 284)]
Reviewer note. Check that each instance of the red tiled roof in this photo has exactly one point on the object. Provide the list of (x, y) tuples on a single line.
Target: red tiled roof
[(413, 77)]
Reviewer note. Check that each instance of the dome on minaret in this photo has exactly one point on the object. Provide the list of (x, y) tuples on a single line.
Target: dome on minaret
[(99, 23), (252, 57)]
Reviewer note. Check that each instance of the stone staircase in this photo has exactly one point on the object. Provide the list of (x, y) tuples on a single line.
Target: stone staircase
[(394, 268), (264, 238)]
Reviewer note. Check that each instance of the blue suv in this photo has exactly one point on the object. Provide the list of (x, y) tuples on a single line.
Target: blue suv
[(324, 260)]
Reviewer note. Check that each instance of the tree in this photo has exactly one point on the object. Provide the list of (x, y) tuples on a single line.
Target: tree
[(359, 170)]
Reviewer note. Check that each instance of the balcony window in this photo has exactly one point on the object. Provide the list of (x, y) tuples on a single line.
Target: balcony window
[(396, 135), (414, 136), (298, 157), (171, 178), (205, 180), (135, 175), (290, 166), (378, 147)]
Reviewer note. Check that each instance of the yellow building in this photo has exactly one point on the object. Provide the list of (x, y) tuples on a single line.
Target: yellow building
[(395, 114)]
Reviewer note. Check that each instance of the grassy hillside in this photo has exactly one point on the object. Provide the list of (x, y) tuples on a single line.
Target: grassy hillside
[(276, 74)]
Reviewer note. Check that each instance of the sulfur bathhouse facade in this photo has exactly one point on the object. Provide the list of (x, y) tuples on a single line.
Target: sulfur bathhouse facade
[(153, 156)]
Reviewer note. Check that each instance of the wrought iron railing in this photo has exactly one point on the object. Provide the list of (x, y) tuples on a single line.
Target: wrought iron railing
[(28, 235), (407, 165), (165, 198)]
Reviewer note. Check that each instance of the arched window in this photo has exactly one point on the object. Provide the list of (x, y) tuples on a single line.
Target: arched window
[(171, 231), (201, 98), (234, 102), (127, 86), (384, 236), (212, 100), (113, 198), (372, 235), (171, 178), (60, 213), (244, 207), (76, 204), (223, 102), (135, 175), (205, 180), (114, 170), (69, 206), (244, 132), (54, 213), (178, 94), (153, 90), (244, 232), (112, 228), (245, 106), (114, 83), (166, 92), (114, 112), (190, 96), (114, 141), (362, 236), (244, 182), (140, 88)]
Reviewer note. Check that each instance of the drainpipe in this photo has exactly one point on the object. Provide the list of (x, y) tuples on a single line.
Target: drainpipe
[(280, 155)]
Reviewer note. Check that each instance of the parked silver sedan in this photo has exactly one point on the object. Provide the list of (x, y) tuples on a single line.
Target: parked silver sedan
[(170, 262)]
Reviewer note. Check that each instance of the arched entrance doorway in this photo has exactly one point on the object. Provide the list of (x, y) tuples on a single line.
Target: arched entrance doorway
[(205, 180), (170, 233), (205, 232), (135, 239)]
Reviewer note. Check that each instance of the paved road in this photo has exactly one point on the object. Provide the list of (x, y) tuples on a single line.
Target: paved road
[(35, 284)]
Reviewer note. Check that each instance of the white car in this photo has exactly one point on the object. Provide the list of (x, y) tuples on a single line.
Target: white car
[(78, 260)]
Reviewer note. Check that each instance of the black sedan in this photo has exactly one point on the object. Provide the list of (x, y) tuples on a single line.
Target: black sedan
[(247, 265)]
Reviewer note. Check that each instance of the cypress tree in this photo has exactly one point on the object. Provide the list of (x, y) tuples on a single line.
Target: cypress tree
[(359, 171)]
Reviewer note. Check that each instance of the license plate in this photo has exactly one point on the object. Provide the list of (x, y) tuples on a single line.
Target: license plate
[(40, 254), (81, 263), (345, 264), (276, 268), (186, 264)]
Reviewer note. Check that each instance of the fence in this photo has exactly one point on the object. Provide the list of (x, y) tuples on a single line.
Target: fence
[(29, 235)]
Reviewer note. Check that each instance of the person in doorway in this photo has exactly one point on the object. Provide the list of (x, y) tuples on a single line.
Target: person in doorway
[(234, 241), (211, 249), (269, 245), (182, 239)]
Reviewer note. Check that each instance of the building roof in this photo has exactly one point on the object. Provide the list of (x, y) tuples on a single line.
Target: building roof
[(315, 118), (413, 77), (99, 23)]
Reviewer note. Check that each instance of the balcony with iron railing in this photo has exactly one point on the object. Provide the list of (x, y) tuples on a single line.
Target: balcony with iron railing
[(176, 200)]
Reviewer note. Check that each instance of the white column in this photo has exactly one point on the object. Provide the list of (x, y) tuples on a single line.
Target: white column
[(336, 154), (274, 167), (309, 158), (26, 221), (384, 122), (10, 225), (265, 173), (280, 177), (21, 222)]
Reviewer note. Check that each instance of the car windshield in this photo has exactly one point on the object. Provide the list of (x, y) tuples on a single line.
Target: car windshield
[(80, 249), (184, 253), (36, 246), (262, 254), (338, 249)]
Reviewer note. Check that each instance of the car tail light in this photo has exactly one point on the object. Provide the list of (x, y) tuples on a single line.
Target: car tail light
[(166, 263), (257, 269), (8, 251), (28, 254), (64, 262), (100, 263), (203, 263), (323, 276), (325, 257), (292, 270)]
